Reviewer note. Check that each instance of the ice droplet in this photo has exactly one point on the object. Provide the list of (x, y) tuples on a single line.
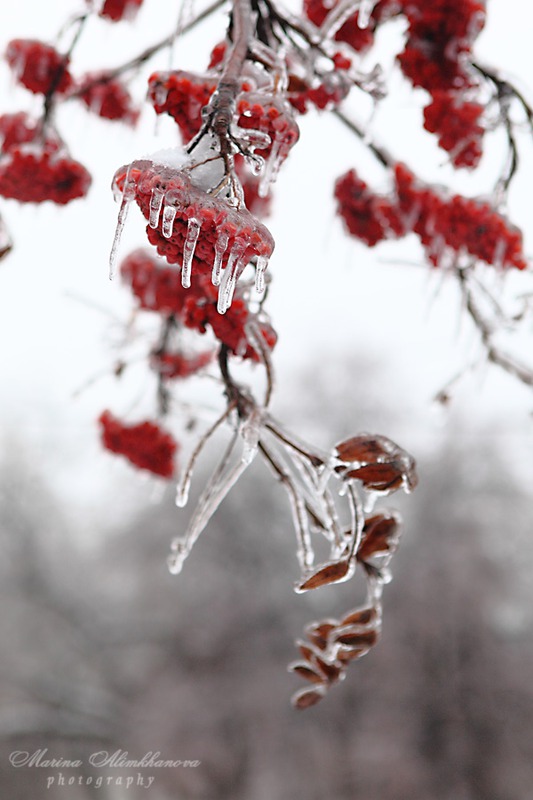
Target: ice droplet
[(260, 268), (177, 557), (169, 215), (182, 491), (189, 246), (220, 248), (156, 201)]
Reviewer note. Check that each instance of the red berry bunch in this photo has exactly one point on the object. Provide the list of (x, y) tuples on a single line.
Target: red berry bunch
[(159, 288), (189, 226), (116, 10), (367, 216), (331, 90), (107, 97), (146, 445), (272, 117), (439, 43), (19, 128), (35, 166), (437, 57), (457, 125), (182, 95), (38, 66), (446, 226), (458, 224)]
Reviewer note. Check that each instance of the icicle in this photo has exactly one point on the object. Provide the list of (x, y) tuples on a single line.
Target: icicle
[(271, 168), (365, 11), (250, 432), (189, 246), (182, 492), (260, 268), (232, 272), (169, 215), (156, 202), (127, 196), (221, 245)]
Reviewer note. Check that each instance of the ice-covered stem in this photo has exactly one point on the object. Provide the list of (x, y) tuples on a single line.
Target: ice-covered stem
[(163, 395), (221, 108), (149, 52), (506, 91), (382, 155), (51, 93), (299, 507), (6, 243), (235, 394), (486, 332)]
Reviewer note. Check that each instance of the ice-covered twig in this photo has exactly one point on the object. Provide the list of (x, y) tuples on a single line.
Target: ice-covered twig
[(486, 330), (182, 490)]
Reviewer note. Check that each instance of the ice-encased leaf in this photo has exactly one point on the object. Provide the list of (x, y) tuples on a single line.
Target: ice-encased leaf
[(334, 572)]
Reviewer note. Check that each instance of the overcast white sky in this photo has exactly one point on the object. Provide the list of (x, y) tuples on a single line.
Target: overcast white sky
[(329, 295)]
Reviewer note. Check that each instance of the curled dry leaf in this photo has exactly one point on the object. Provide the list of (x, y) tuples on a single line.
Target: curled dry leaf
[(318, 632), (381, 534), (355, 636), (334, 572), (331, 670), (378, 462), (366, 615), (366, 448), (306, 671), (308, 697)]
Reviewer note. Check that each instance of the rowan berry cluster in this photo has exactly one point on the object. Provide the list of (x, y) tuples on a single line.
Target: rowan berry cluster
[(450, 227), (35, 165), (146, 445)]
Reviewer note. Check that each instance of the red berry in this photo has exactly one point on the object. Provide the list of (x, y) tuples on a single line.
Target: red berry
[(38, 66), (33, 174), (117, 10), (146, 444), (107, 97)]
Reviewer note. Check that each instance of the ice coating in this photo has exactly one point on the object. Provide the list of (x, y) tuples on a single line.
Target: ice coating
[(193, 232), (221, 245), (192, 228), (271, 118)]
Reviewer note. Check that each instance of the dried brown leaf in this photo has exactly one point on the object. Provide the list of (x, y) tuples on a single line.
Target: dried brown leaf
[(354, 636), (334, 572), (318, 632), (330, 669), (361, 616), (306, 671), (308, 697), (380, 535), (365, 448), (346, 654)]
